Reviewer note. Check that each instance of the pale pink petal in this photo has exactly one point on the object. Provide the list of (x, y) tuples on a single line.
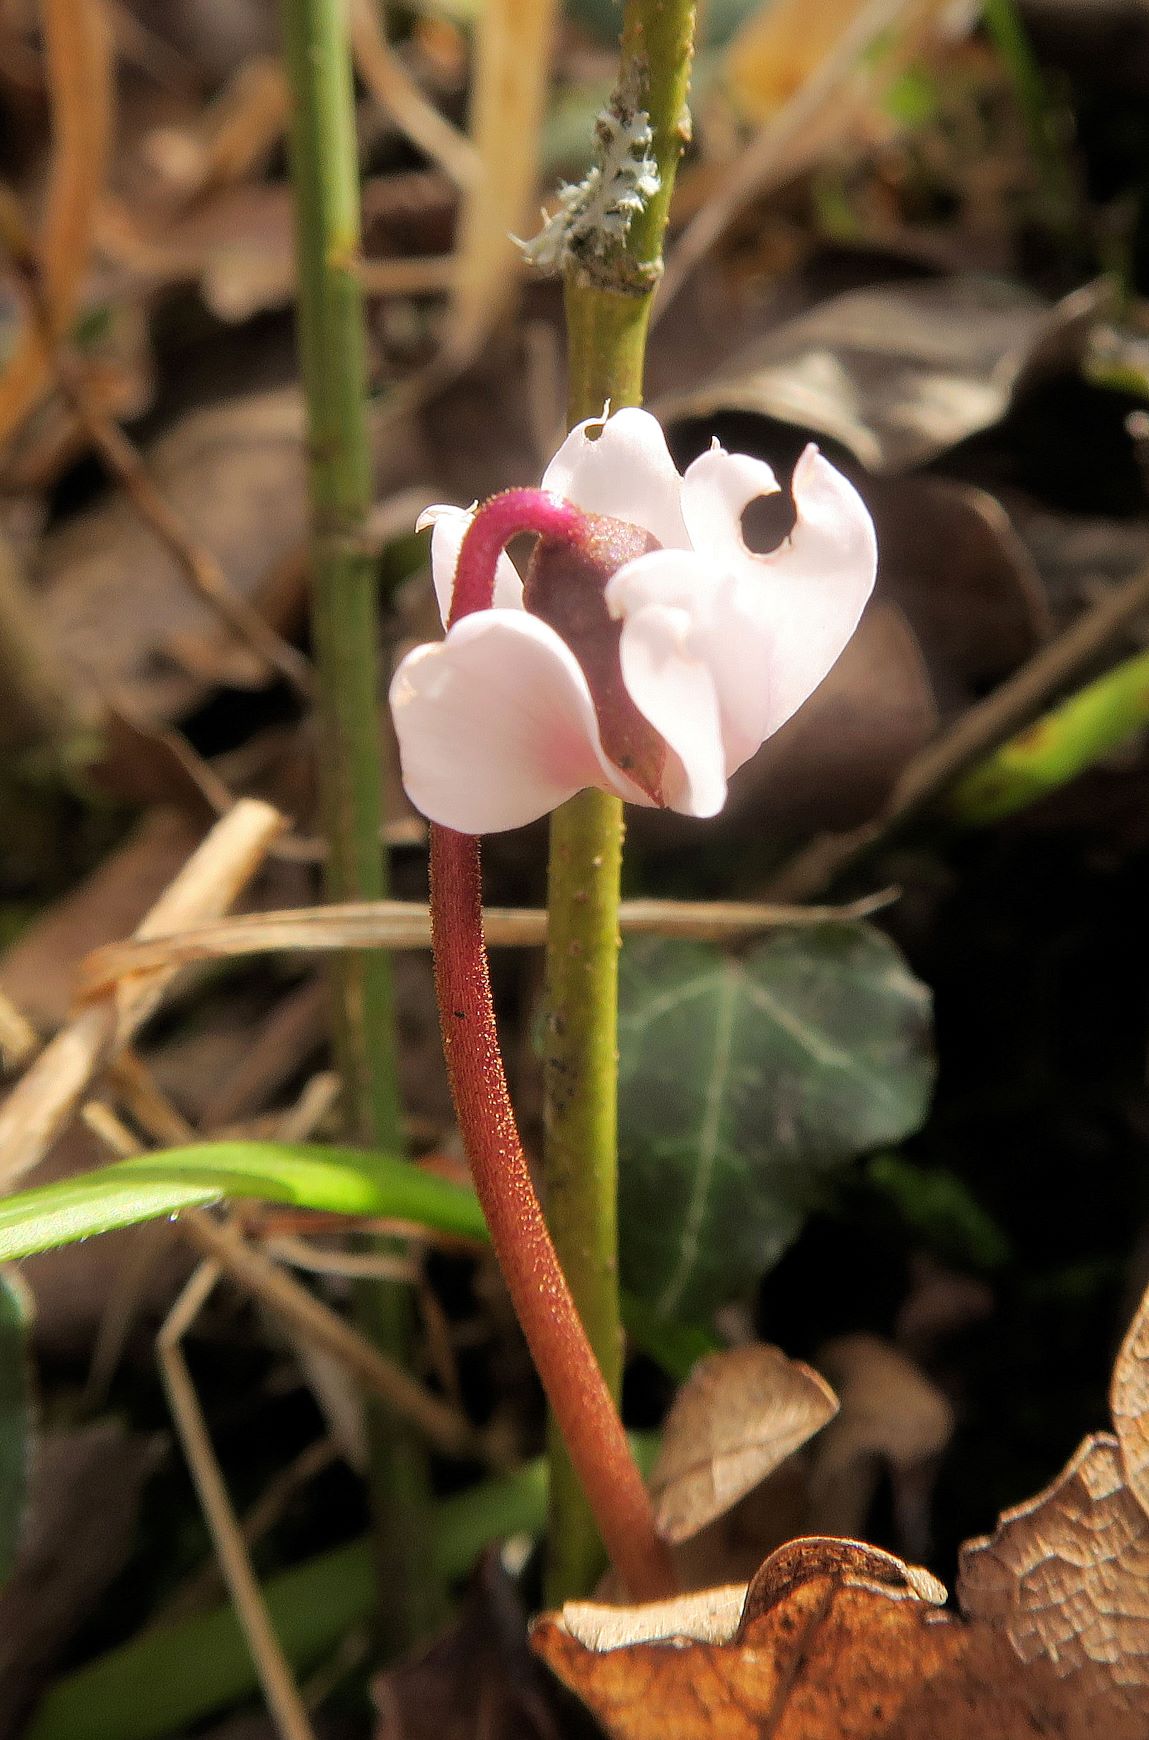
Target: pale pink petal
[(672, 687), (717, 489), (625, 471), (496, 725), (730, 641), (800, 603), (449, 529)]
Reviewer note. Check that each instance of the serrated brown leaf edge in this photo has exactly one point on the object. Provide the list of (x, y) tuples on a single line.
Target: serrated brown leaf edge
[(833, 1643)]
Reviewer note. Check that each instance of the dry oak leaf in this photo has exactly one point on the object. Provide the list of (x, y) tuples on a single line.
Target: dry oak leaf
[(735, 1420), (1066, 1578), (1129, 1403), (833, 1644)]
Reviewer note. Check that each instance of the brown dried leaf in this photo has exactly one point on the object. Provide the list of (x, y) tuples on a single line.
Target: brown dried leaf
[(834, 1644), (1129, 1403), (890, 1415), (1066, 1578), (735, 1420), (834, 763), (952, 560), (707, 1616), (233, 474), (899, 373)]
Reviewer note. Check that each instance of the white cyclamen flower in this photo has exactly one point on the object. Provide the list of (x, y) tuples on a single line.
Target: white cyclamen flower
[(652, 658)]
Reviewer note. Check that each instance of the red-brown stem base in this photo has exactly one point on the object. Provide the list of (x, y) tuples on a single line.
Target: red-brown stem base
[(563, 1357)]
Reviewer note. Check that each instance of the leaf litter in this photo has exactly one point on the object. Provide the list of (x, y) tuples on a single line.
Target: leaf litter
[(904, 366)]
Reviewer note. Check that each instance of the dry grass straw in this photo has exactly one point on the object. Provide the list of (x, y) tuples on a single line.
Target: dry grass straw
[(80, 70), (397, 924), (245, 1264), (511, 73), (53, 1087), (823, 107), (396, 91), (284, 1700)]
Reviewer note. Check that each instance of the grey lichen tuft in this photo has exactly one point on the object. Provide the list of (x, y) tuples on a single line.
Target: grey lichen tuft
[(594, 214)]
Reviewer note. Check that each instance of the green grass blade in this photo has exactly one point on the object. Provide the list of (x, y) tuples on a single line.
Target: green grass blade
[(333, 1180), (163, 1681)]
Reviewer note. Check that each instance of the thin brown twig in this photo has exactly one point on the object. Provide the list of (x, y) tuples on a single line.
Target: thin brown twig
[(406, 925), (440, 1423), (195, 561), (280, 1690), (978, 731)]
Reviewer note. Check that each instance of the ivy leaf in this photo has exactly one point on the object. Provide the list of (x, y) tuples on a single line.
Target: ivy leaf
[(744, 1085)]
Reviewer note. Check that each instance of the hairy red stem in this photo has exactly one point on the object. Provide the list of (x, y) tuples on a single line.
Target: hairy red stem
[(563, 1356)]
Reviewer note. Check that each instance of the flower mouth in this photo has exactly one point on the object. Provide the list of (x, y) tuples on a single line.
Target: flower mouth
[(565, 586)]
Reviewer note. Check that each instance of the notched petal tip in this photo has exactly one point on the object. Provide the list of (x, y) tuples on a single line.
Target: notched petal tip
[(626, 473)]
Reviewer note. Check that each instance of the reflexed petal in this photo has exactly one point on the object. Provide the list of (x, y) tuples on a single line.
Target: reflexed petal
[(496, 725), (800, 603), (672, 686), (450, 527), (735, 645), (626, 472)]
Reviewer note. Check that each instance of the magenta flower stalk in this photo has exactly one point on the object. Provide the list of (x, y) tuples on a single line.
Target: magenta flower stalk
[(563, 1357)]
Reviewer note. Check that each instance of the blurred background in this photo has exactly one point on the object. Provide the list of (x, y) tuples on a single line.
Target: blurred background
[(915, 232)]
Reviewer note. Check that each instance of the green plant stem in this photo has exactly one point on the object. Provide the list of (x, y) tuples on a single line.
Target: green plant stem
[(1056, 747), (608, 312), (345, 631)]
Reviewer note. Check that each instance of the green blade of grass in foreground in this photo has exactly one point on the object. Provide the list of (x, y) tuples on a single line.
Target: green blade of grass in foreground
[(333, 1180), (162, 1682), (303, 1175)]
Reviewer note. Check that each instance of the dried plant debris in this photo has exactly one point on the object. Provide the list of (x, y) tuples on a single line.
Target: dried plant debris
[(836, 1641), (891, 1417), (899, 373), (737, 1418), (1129, 1403), (234, 475), (1064, 1578), (479, 1678)]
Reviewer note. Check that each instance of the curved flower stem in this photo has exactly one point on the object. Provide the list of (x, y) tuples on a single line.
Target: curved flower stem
[(608, 302), (577, 1393), (580, 1398)]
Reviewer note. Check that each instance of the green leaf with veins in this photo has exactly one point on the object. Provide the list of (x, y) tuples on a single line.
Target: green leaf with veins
[(744, 1084)]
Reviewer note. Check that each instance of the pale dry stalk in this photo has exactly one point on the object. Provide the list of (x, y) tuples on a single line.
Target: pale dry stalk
[(52, 1088), (279, 1688), (401, 924)]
